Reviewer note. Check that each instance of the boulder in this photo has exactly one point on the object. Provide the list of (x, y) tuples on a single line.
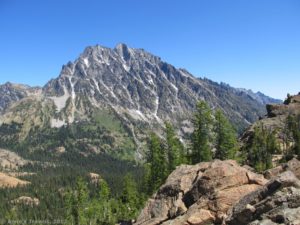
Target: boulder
[(279, 195), (222, 192), (200, 194), (167, 202), (94, 178), (201, 217), (293, 165)]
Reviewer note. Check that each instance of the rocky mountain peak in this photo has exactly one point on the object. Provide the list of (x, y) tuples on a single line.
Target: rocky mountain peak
[(139, 88), (123, 77)]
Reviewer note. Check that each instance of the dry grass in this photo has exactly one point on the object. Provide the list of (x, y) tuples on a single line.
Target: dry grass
[(11, 182)]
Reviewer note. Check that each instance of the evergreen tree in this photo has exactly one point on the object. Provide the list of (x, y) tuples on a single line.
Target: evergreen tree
[(262, 148), (297, 142), (11, 214), (293, 125), (157, 161), (129, 199), (104, 190), (104, 205), (226, 137), (77, 203), (272, 143), (288, 99), (201, 137), (147, 178), (174, 148)]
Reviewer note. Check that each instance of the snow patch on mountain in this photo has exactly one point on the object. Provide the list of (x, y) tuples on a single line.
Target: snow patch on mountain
[(72, 88), (96, 84), (127, 68), (57, 123), (174, 87), (60, 102), (109, 89), (137, 115), (86, 62)]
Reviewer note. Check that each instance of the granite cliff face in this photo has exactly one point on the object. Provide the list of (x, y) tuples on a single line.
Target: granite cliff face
[(222, 192)]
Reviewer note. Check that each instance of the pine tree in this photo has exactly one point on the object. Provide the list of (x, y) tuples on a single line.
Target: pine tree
[(297, 142), (104, 205), (129, 199), (157, 161), (104, 190), (201, 137), (147, 178), (226, 137), (288, 99), (261, 148), (82, 199), (76, 203), (272, 143), (293, 124), (174, 148)]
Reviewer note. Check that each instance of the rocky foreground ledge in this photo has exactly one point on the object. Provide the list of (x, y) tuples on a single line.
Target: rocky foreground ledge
[(222, 192)]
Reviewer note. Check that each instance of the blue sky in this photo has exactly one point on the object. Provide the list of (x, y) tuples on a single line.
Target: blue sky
[(253, 44)]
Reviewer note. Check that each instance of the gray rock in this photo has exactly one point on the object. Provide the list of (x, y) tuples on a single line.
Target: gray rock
[(148, 89), (269, 204)]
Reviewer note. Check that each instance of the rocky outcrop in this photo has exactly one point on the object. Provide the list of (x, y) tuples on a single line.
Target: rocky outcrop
[(270, 202), (293, 166), (25, 200), (222, 192), (94, 178), (291, 106), (10, 160), (201, 193), (276, 121)]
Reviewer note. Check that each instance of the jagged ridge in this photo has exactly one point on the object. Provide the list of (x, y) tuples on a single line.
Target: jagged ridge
[(138, 88)]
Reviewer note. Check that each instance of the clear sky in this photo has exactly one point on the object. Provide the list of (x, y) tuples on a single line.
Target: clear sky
[(253, 44)]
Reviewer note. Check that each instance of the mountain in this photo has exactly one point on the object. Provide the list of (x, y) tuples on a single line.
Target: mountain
[(260, 97), (222, 192), (10, 93), (128, 92), (134, 82)]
